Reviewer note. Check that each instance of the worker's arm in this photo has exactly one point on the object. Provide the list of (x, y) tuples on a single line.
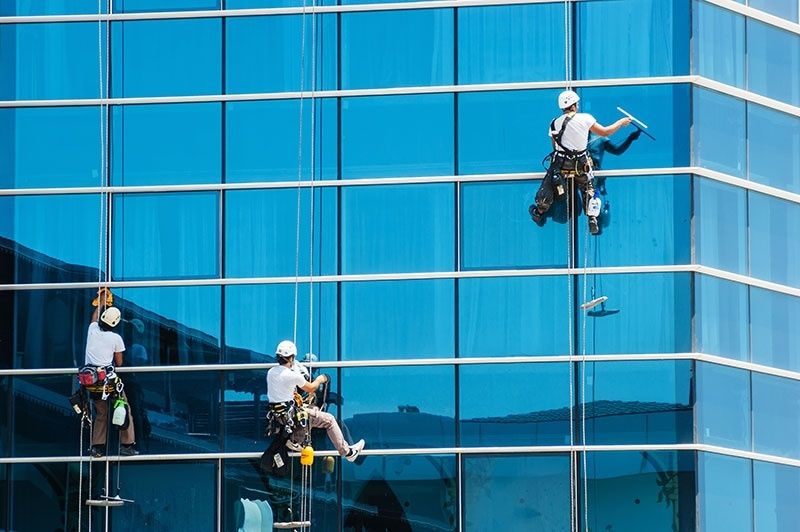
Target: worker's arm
[(117, 359), (312, 386), (95, 315), (605, 131)]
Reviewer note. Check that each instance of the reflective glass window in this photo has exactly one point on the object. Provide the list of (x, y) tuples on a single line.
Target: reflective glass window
[(719, 132), (267, 54), (516, 492), (397, 48), (776, 489), (773, 226), (397, 319), (644, 313), (725, 489), (400, 493), (5, 429), (391, 408), (245, 4), (719, 40), (167, 57), (244, 409), (637, 402), (407, 228), (536, 413), (165, 235), (773, 148), (656, 43), (783, 8), (262, 140), (504, 131), (723, 406), (721, 317), (504, 44), (497, 232), (261, 232), (169, 144), (776, 429), (773, 325), (513, 316), (39, 501), (772, 55), (405, 149), (52, 7), (138, 6), (720, 212)]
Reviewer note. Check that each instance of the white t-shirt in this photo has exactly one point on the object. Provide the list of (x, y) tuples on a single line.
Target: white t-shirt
[(576, 134), (101, 346), (281, 382)]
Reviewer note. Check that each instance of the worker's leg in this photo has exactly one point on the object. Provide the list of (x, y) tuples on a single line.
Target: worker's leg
[(100, 425), (544, 197), (591, 203), (324, 420)]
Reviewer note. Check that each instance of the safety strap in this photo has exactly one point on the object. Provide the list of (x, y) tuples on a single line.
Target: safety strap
[(557, 136)]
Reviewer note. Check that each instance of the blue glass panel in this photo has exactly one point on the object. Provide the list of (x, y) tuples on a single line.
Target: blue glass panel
[(267, 54), (39, 501), (513, 316), (773, 144), (167, 144), (254, 341), (519, 492), (535, 413), (496, 230), (723, 406), (261, 230), (776, 489), (773, 325), (772, 55), (641, 490), (245, 407), (504, 44), (397, 48), (495, 133), (665, 110), (644, 221), (720, 215), (167, 57), (719, 132), (405, 149), (262, 140), (774, 255), (783, 8), (139, 6), (51, 7), (245, 4), (725, 493), (721, 317), (406, 228), (401, 493), (775, 405), (51, 61), (645, 313), (397, 319), (165, 235), (637, 402), (656, 39), (719, 43)]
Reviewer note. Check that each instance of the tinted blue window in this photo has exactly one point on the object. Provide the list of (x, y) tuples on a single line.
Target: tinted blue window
[(720, 238), (165, 235), (134, 6), (405, 149), (773, 228), (645, 313), (504, 131), (719, 43), (167, 144), (397, 48), (656, 39), (519, 492), (52, 7), (772, 56), (245, 4), (775, 404), (536, 413), (723, 406), (245, 407), (263, 140), (719, 132), (513, 316), (405, 228), (725, 493), (776, 489), (31, 482), (773, 143), (397, 319), (783, 8), (721, 317), (167, 57), (773, 322), (266, 54), (502, 44)]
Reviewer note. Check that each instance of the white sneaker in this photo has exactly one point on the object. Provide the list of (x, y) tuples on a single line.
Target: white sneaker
[(355, 450), (294, 446)]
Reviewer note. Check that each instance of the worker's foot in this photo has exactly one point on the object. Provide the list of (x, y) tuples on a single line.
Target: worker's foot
[(355, 450), (128, 450), (536, 216), (594, 227), (294, 446), (98, 451)]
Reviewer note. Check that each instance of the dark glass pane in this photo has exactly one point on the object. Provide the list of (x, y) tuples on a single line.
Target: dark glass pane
[(720, 214), (45, 497), (723, 406), (773, 322), (773, 160), (719, 132), (772, 55), (773, 227), (535, 413), (721, 317), (775, 426), (725, 487), (245, 407), (719, 43), (139, 6), (776, 489)]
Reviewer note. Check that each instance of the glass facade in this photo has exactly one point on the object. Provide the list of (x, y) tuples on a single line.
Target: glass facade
[(358, 178)]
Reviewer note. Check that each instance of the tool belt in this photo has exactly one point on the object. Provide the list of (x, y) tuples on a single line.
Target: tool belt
[(286, 418), (99, 380)]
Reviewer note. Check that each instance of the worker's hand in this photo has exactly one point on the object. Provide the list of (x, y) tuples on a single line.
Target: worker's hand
[(324, 378), (626, 121), (104, 294)]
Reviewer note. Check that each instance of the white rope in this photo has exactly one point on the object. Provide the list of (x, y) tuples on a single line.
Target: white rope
[(299, 171), (583, 379), (80, 472), (573, 469), (102, 139)]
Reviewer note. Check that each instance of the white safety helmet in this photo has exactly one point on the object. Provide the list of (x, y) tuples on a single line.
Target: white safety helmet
[(567, 99), (111, 316), (286, 349)]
